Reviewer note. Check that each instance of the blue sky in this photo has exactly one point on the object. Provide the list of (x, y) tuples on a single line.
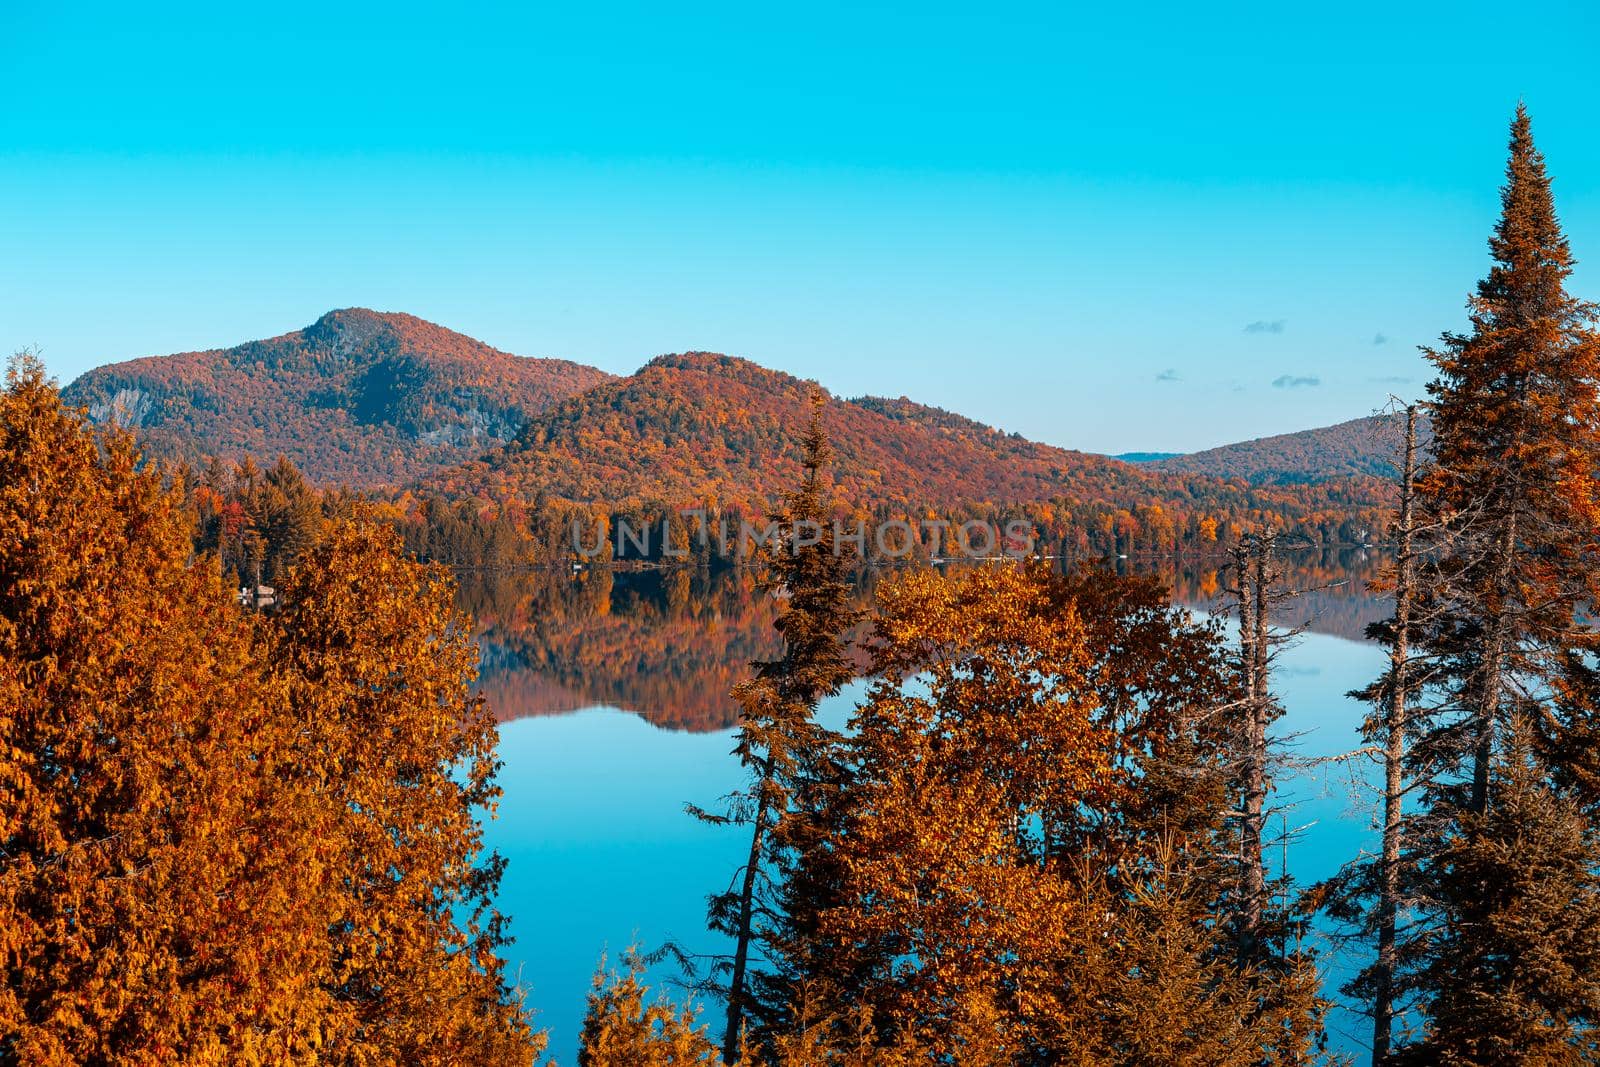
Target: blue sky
[(1107, 227)]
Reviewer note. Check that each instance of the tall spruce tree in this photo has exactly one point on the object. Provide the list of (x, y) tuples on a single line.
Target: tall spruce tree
[(1512, 506), (1513, 488), (779, 737)]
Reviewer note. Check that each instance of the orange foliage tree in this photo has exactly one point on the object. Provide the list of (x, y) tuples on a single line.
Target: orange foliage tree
[(130, 928), (625, 1027), (228, 838), (1008, 897), (377, 664)]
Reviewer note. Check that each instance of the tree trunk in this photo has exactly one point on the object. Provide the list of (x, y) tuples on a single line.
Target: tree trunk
[(1493, 669), (1254, 634), (743, 932), (1394, 751)]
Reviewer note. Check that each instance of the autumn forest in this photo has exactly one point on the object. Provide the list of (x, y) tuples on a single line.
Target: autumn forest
[(265, 612)]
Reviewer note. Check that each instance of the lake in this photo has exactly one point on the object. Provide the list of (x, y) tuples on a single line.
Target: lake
[(611, 689)]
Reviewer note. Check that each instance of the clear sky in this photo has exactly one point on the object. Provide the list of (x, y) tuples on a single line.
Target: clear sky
[(1106, 226)]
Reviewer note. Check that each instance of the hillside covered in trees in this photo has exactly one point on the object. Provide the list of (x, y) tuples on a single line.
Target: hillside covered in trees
[(702, 426), (439, 423), (719, 432), (1359, 448), (358, 397)]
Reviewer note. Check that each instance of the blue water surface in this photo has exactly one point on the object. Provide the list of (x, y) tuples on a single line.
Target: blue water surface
[(602, 854)]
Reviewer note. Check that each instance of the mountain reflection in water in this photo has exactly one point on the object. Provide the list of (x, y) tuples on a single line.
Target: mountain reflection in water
[(668, 645)]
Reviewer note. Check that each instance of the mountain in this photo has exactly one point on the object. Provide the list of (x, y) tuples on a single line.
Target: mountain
[(1145, 457), (701, 426), (359, 397), (1369, 446), (388, 400)]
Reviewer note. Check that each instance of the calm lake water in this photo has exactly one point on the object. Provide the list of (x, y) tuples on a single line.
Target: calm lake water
[(612, 689)]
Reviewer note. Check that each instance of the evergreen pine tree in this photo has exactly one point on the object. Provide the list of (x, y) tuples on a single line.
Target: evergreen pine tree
[(1512, 506), (1514, 490), (779, 738)]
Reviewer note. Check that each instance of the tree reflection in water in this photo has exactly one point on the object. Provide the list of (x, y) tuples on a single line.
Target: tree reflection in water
[(667, 645)]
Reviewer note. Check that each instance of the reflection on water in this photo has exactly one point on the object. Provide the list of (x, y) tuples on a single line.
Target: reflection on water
[(612, 692), (668, 645)]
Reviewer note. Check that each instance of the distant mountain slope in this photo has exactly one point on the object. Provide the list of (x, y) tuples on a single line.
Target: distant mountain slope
[(371, 399), (1368, 446), (359, 397), (701, 426)]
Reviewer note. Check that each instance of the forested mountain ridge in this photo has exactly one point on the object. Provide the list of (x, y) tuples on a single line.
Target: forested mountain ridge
[(391, 402), (359, 397), (1365, 446), (718, 432), (703, 426)]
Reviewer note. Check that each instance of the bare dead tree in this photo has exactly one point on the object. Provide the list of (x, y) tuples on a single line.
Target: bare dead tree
[(1396, 703), (1257, 593)]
